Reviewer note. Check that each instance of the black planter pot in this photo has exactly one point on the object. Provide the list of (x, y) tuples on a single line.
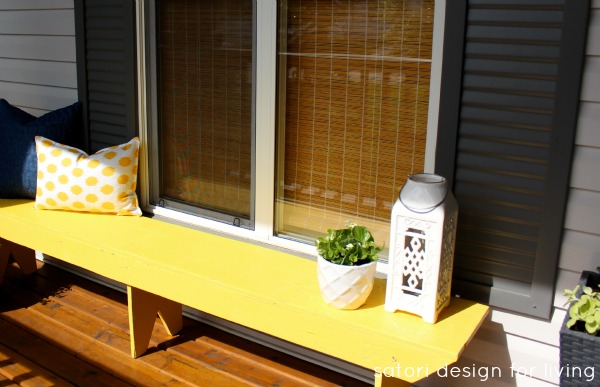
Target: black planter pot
[(580, 351)]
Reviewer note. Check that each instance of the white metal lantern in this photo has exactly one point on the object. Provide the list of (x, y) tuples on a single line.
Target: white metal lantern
[(422, 237)]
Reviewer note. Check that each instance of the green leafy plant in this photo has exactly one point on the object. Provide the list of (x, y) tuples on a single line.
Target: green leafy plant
[(584, 310), (351, 246)]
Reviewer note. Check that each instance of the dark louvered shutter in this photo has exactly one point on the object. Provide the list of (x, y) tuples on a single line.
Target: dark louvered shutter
[(513, 130), (106, 70)]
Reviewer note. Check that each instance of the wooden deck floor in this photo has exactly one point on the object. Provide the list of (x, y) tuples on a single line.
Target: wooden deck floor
[(57, 329)]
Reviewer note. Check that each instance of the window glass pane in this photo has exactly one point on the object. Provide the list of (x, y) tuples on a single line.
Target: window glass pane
[(205, 128), (353, 105)]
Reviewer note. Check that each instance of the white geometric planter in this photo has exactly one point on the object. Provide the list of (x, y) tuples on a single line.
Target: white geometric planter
[(345, 287), (422, 237)]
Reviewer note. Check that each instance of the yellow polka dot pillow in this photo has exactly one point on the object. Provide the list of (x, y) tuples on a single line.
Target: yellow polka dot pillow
[(69, 179)]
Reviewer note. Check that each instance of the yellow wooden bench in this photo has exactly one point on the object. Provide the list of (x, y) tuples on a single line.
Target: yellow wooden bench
[(166, 266)]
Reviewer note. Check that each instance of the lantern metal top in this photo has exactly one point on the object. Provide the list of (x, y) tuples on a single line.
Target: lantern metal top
[(423, 192)]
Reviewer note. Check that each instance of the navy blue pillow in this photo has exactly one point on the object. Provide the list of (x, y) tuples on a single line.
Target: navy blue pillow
[(18, 159)]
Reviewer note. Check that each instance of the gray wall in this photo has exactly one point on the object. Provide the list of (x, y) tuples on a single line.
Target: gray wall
[(581, 245), (37, 54)]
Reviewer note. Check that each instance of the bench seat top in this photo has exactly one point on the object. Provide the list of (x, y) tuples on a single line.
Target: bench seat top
[(258, 287)]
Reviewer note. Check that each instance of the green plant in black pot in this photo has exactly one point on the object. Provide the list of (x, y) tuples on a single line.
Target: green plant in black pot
[(580, 333), (584, 311)]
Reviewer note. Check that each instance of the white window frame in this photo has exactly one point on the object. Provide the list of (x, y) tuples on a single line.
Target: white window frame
[(265, 97)]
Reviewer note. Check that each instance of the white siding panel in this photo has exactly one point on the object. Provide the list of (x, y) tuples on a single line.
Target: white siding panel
[(583, 211), (35, 4), (35, 98), (497, 358), (533, 359), (584, 175), (593, 43), (591, 80), (54, 48), (37, 54), (47, 22), (38, 72), (485, 360), (580, 251), (542, 331), (588, 124), (566, 280), (581, 240)]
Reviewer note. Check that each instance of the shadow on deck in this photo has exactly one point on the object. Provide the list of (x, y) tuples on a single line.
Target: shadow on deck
[(58, 329)]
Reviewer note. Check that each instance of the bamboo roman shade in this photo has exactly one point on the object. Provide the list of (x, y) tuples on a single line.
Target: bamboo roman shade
[(354, 92), (205, 103)]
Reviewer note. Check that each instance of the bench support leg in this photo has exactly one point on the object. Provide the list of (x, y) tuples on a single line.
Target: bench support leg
[(143, 307), (384, 381), (24, 256)]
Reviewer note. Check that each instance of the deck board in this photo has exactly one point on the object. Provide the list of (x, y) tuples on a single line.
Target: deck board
[(60, 329)]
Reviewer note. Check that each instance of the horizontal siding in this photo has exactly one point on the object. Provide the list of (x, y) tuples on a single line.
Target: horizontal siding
[(583, 213), (582, 245), (593, 43), (37, 54), (581, 240), (587, 125), (44, 22), (36, 97), (586, 161), (38, 48), (57, 74), (591, 85), (507, 340), (13, 5), (566, 279)]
